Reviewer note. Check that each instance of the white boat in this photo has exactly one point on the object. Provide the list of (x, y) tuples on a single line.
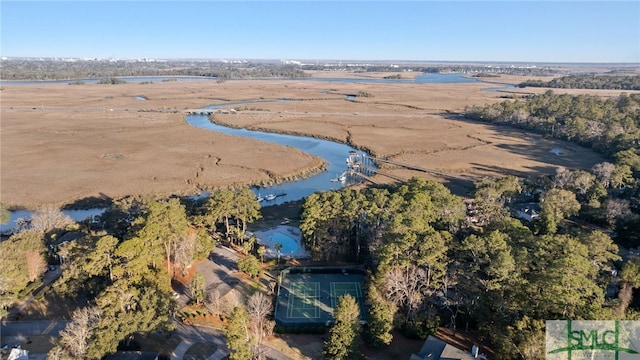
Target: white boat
[(342, 178), (270, 197)]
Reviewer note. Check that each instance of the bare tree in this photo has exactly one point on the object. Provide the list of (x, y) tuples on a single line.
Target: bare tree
[(406, 288), (75, 338), (214, 303), (617, 208), (57, 353), (184, 251), (563, 178), (259, 307), (232, 300), (603, 172), (36, 264), (49, 217)]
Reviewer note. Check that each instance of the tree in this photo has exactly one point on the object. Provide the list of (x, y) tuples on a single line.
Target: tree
[(48, 218), (246, 209), (101, 259), (242, 206), (629, 280), (214, 303), (76, 336), (239, 340), (556, 205), (621, 176), (259, 307), (184, 251), (198, 287), (616, 209), (250, 265), (278, 247), (247, 246), (36, 265), (22, 261), (603, 172), (491, 197), (344, 335), (381, 313), (164, 224), (261, 251)]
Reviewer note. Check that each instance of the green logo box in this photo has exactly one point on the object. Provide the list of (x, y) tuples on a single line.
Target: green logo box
[(592, 340)]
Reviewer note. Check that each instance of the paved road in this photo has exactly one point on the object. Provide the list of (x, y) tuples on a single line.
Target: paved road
[(191, 335), (32, 328), (218, 271)]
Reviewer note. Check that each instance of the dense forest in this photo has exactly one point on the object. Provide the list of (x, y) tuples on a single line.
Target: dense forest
[(588, 82), (434, 265)]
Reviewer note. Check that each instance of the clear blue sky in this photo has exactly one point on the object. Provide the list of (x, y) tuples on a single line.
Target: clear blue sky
[(528, 31)]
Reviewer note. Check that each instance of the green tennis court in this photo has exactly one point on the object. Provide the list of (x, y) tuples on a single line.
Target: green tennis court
[(307, 296), (303, 301)]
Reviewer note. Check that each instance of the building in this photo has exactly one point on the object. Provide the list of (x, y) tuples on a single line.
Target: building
[(436, 349), (133, 355), (526, 211)]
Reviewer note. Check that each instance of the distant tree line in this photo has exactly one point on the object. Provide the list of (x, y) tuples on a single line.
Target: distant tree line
[(629, 82), (609, 126), (23, 69)]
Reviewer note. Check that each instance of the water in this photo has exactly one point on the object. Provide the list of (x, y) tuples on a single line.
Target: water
[(289, 244), (431, 78), (334, 154), (502, 87), (77, 215)]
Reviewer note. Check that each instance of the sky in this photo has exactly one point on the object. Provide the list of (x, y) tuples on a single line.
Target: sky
[(500, 31)]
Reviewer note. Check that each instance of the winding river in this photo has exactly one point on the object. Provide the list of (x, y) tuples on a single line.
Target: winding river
[(334, 154)]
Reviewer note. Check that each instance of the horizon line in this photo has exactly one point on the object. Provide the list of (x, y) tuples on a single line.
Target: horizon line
[(223, 59)]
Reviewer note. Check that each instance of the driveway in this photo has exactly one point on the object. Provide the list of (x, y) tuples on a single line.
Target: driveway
[(49, 277), (219, 273)]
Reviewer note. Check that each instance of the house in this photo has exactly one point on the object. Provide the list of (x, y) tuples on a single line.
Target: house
[(436, 349), (526, 211), (18, 354)]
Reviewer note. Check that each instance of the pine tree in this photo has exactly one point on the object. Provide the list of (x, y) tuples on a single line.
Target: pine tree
[(239, 340), (344, 336)]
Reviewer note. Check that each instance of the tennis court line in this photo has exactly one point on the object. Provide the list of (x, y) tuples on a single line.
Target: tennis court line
[(306, 295)]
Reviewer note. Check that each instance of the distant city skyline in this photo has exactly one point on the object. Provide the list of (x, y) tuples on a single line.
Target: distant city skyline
[(464, 31)]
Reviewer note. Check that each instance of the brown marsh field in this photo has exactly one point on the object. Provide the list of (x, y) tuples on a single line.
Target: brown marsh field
[(60, 143)]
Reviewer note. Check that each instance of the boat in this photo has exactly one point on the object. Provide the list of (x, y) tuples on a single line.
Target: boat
[(270, 197), (342, 178)]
